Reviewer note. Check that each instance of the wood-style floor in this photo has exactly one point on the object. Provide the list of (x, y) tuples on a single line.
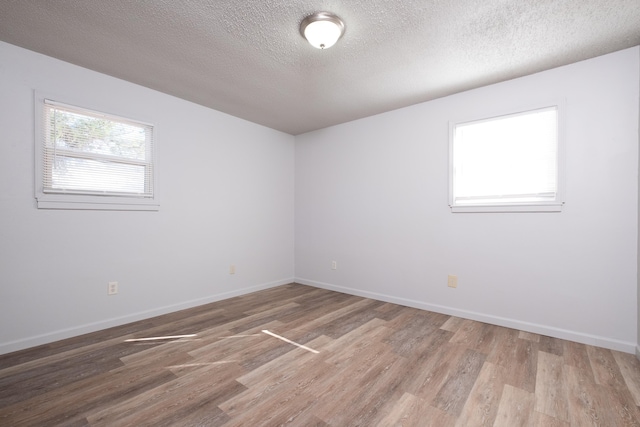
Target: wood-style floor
[(300, 356)]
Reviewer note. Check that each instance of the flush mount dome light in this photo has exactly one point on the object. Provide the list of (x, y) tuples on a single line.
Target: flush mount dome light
[(322, 29)]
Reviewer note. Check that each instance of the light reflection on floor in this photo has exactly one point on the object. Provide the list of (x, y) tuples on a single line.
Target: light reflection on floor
[(304, 347), (171, 337)]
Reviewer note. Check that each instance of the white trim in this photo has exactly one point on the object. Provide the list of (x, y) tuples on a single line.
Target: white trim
[(61, 334), (547, 207), (94, 203), (49, 101), (612, 344)]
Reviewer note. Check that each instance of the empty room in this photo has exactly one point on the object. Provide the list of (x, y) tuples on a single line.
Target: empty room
[(319, 213)]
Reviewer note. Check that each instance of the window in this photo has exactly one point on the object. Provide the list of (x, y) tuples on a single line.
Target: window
[(91, 160), (507, 163)]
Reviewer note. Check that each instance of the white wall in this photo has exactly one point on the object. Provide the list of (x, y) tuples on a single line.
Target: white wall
[(226, 190), (372, 194)]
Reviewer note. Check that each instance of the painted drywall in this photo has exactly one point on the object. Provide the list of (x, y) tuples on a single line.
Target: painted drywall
[(225, 187), (373, 195)]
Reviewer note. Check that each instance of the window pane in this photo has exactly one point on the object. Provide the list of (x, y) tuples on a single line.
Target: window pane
[(95, 154), (506, 159), (85, 133)]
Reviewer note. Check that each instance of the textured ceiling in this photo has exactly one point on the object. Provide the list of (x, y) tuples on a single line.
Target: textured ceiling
[(247, 58)]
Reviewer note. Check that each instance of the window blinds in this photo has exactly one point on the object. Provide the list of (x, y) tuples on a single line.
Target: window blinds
[(91, 153)]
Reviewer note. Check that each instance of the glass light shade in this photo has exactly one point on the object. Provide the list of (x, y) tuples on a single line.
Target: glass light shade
[(322, 30)]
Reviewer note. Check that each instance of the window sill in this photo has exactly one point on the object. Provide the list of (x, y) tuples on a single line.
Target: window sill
[(96, 203), (550, 207)]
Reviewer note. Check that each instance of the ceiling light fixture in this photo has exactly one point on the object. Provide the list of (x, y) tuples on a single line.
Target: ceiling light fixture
[(322, 29)]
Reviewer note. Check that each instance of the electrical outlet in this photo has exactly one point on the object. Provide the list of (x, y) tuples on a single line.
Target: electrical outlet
[(112, 288), (232, 269), (452, 281), (334, 265)]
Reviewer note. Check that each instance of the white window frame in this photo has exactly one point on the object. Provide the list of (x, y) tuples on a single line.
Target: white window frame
[(85, 201), (510, 206)]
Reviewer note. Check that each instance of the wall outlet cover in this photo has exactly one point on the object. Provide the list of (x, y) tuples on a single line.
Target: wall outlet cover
[(112, 288), (452, 281)]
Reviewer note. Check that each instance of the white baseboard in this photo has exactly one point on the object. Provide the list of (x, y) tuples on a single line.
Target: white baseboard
[(638, 352), (612, 344), (61, 334)]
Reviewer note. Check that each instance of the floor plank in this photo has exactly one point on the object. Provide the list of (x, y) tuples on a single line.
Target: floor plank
[(481, 407), (630, 369), (411, 411), (456, 389), (550, 391), (516, 408)]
